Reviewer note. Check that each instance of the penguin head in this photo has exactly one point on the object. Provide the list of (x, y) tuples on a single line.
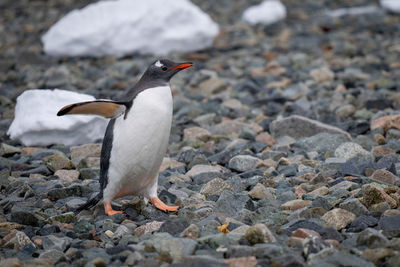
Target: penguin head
[(164, 69)]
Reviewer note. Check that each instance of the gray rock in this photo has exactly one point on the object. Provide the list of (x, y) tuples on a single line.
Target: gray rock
[(242, 163), (54, 255), (24, 215), (83, 226), (57, 243), (355, 206), (299, 127), (339, 258), (372, 239), (178, 248), (231, 203), (93, 253), (215, 187), (322, 142), (351, 150)]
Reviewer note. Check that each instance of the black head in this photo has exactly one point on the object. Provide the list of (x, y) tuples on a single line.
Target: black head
[(162, 70)]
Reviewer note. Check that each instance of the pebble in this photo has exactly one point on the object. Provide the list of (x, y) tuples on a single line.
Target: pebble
[(283, 148), (384, 176), (296, 204), (67, 175), (338, 218), (242, 163)]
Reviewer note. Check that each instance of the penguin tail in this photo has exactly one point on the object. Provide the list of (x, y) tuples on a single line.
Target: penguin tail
[(90, 203)]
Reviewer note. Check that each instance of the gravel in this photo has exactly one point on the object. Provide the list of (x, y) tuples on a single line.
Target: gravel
[(284, 147)]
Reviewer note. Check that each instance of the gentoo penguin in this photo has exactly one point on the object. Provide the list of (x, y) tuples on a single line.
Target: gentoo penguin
[(136, 137)]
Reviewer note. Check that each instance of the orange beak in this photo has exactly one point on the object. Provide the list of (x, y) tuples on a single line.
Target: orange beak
[(183, 66)]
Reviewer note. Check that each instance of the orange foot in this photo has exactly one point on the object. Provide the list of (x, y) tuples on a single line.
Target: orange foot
[(161, 205), (108, 209)]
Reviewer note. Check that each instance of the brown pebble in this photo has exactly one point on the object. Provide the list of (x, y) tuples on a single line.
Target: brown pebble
[(380, 139), (304, 233), (384, 176)]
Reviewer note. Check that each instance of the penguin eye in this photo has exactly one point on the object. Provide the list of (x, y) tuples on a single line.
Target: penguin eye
[(164, 68)]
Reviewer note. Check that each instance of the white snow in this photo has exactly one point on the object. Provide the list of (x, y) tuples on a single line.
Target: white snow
[(36, 122), (353, 11), (391, 5), (267, 12), (122, 27)]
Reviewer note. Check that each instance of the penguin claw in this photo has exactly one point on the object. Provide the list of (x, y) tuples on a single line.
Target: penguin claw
[(109, 211), (162, 206)]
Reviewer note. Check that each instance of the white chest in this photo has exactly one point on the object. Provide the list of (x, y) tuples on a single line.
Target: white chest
[(141, 139)]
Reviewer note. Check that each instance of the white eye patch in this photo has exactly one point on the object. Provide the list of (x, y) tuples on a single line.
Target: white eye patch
[(158, 64)]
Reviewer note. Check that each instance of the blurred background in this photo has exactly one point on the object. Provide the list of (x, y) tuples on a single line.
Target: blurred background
[(339, 68)]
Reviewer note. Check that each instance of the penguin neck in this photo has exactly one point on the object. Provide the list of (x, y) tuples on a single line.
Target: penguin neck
[(146, 82)]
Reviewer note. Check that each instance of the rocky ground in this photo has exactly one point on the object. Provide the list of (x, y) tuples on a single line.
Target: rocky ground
[(284, 149)]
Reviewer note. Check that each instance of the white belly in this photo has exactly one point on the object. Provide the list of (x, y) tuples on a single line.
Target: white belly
[(139, 145)]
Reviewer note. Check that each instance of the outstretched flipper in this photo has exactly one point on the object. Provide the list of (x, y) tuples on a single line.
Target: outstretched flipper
[(105, 108)]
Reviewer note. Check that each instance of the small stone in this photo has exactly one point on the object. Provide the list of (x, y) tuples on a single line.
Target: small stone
[(54, 255), (380, 207), (259, 191), (148, 228), (194, 134), (10, 262), (345, 111), (57, 162), (170, 163), (351, 150), (355, 206), (372, 238), (299, 127), (83, 151), (386, 122), (250, 261), (391, 212), (192, 232), (242, 163), (380, 139), (374, 195), (338, 218), (299, 191), (178, 248), (362, 222), (16, 240), (259, 233), (323, 74), (377, 254), (296, 204), (212, 86), (321, 191), (7, 150), (265, 137), (380, 151), (98, 262), (384, 176), (68, 217), (304, 233), (109, 233), (215, 187), (67, 175)]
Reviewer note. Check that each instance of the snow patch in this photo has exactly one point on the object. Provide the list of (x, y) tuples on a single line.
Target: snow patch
[(352, 11), (391, 5), (268, 12), (36, 122), (122, 27)]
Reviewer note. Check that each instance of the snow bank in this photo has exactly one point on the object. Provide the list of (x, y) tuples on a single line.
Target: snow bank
[(122, 27), (391, 5), (267, 12), (36, 122)]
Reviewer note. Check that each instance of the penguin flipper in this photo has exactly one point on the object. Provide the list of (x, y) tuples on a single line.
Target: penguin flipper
[(105, 108)]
